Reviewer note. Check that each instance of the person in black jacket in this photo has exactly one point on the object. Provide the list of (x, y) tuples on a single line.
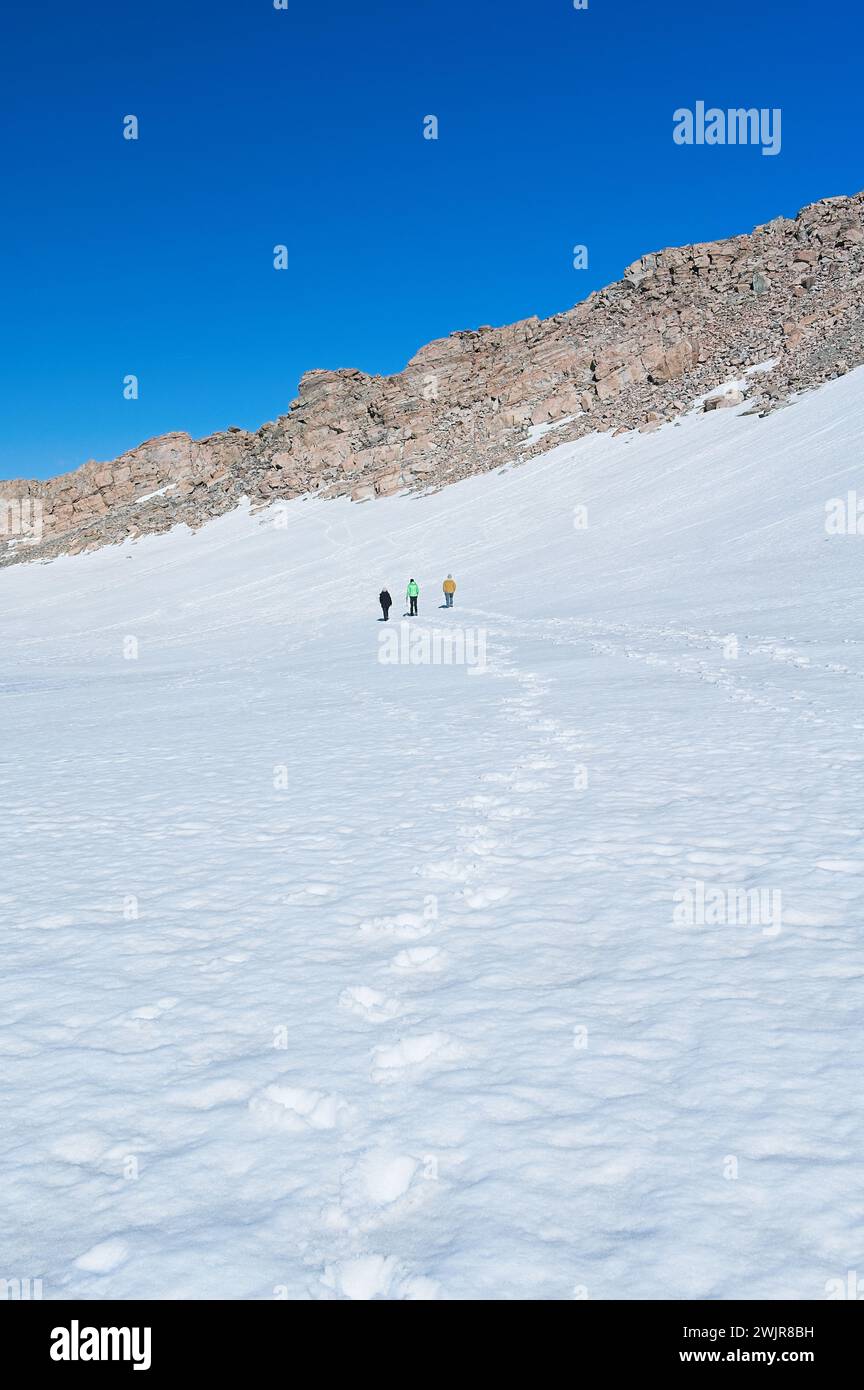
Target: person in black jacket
[(386, 603)]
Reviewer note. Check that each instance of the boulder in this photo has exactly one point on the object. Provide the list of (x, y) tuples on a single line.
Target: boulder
[(724, 401)]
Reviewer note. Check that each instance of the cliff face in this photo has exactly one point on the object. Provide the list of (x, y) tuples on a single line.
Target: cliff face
[(633, 355)]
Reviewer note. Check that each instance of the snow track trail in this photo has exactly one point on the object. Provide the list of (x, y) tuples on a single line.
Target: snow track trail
[(334, 979)]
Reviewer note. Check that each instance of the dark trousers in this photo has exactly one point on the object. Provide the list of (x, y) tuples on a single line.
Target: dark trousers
[(412, 611), (448, 600), (385, 609)]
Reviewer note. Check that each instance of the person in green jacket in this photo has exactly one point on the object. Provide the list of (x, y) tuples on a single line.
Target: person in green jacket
[(412, 594)]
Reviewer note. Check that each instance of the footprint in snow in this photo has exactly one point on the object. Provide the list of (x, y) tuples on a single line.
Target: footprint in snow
[(375, 1276), (410, 1056), (381, 1181), (385, 1177), (369, 1004), (418, 960), (485, 897), (456, 870), (296, 1109), (481, 841), (405, 926)]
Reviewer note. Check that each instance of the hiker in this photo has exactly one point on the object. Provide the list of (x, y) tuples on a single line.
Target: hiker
[(386, 603), (449, 591), (412, 593)]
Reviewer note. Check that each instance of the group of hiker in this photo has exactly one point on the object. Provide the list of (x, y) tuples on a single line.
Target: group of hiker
[(412, 594)]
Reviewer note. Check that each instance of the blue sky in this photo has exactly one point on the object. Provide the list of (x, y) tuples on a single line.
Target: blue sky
[(305, 127)]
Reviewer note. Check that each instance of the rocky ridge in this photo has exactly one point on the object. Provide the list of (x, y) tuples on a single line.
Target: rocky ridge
[(634, 355)]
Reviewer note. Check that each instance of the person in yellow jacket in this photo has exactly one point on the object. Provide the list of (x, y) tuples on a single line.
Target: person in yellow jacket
[(449, 591)]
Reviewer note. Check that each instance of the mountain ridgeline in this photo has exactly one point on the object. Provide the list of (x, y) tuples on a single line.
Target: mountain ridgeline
[(634, 355)]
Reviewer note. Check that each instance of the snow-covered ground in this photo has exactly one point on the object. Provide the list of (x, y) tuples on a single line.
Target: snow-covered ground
[(328, 977)]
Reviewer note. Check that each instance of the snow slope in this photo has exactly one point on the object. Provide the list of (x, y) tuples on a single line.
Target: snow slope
[(330, 978)]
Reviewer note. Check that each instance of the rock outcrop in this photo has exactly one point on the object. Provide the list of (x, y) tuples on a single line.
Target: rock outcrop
[(678, 325)]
